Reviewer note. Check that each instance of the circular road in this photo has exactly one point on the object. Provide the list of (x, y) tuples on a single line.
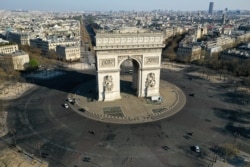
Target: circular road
[(60, 136)]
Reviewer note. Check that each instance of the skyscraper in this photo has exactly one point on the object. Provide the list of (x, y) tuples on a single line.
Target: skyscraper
[(211, 8)]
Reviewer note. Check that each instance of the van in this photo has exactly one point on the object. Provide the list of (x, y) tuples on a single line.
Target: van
[(156, 99)]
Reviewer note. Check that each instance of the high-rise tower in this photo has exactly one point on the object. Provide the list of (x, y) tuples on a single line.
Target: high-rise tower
[(211, 8)]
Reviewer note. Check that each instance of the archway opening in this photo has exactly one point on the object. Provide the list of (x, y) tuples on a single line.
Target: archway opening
[(129, 73)]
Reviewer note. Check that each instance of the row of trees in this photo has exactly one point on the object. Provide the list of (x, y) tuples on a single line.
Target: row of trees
[(234, 67), (171, 47)]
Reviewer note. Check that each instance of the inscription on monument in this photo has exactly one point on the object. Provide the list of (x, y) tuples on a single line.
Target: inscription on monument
[(107, 63), (153, 60)]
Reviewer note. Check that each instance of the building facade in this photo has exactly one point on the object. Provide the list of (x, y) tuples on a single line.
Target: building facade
[(188, 53), (18, 60), (8, 48), (19, 38), (46, 46), (68, 53)]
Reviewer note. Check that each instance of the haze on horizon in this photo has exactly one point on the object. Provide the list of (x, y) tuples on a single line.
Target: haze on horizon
[(115, 5)]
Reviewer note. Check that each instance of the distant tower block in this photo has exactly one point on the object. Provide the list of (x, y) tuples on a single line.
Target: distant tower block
[(223, 21), (142, 47), (211, 8)]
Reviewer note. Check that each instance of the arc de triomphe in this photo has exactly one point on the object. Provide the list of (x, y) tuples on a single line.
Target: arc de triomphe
[(142, 47)]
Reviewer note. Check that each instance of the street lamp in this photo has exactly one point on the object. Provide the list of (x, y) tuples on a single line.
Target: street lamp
[(39, 147), (13, 131), (236, 135)]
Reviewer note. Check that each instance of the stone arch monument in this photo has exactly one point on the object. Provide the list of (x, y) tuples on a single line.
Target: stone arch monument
[(142, 47)]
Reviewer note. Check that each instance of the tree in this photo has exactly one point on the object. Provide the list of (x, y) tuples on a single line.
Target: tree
[(171, 47), (33, 64), (52, 55)]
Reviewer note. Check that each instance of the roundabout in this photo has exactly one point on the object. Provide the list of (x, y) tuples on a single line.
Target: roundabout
[(63, 137)]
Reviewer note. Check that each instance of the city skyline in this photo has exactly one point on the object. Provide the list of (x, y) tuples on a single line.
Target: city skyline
[(114, 5)]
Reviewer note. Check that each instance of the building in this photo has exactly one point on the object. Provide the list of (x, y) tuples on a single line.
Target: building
[(188, 53), (233, 54), (172, 31), (18, 60), (68, 53), (223, 20), (211, 8), (169, 32), (47, 45), (214, 49), (200, 32), (218, 44), (245, 37), (6, 47), (19, 38)]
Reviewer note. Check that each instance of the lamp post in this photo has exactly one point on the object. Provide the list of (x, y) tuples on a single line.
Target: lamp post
[(13, 131), (39, 147), (236, 135)]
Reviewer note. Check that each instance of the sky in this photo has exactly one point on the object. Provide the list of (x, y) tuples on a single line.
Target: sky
[(115, 5)]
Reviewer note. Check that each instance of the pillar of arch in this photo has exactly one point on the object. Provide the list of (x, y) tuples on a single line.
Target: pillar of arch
[(140, 46)]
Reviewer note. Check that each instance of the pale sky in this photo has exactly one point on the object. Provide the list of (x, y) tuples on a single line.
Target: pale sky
[(114, 5)]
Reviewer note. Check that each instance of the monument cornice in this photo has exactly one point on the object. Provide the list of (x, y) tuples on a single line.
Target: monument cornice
[(129, 47), (129, 51)]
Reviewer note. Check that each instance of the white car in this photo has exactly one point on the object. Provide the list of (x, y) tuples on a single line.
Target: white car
[(66, 105), (197, 149), (69, 100)]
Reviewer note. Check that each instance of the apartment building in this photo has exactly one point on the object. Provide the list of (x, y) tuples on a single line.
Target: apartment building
[(6, 47), (68, 53), (18, 60), (19, 38), (47, 45), (188, 53)]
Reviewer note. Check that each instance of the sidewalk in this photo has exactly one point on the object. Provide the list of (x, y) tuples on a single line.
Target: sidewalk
[(11, 90), (13, 158)]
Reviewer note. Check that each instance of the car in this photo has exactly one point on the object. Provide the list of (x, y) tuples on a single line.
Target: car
[(82, 110), (66, 105), (191, 94), (69, 100), (165, 147), (197, 149)]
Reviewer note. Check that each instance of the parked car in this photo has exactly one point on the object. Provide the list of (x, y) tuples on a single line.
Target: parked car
[(197, 149), (66, 105), (191, 94), (69, 100), (82, 110)]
